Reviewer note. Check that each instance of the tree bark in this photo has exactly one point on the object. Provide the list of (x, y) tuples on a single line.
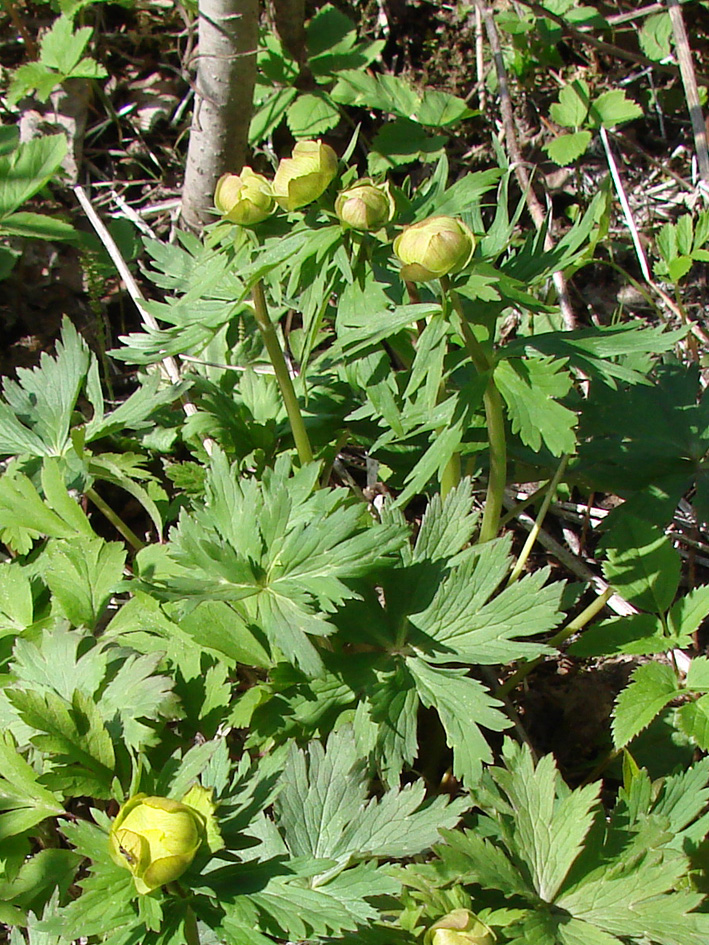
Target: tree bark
[(224, 90)]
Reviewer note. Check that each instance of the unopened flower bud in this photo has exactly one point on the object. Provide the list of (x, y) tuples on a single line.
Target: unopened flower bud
[(365, 205), (433, 248), (305, 175), (244, 198), (156, 838), (461, 927)]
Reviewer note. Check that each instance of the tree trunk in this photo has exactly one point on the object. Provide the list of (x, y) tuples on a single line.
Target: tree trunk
[(226, 74)]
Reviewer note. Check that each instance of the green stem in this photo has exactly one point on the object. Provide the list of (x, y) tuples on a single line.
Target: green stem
[(573, 626), (450, 477), (495, 418), (270, 339), (118, 523), (532, 537), (191, 930)]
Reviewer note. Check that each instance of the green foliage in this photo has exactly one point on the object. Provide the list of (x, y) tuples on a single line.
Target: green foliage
[(577, 109), (24, 170), (337, 62), (310, 644), (565, 873), (61, 57)]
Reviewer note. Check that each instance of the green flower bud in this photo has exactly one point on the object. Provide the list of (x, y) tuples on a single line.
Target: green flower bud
[(155, 838), (305, 175), (244, 198), (365, 205), (433, 248), (460, 927)]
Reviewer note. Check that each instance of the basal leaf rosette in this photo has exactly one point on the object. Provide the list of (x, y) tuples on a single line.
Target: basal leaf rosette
[(305, 175), (459, 927), (365, 205), (433, 248), (244, 198), (156, 838)]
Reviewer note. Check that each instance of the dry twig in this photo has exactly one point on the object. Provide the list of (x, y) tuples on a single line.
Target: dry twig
[(536, 210), (168, 364)]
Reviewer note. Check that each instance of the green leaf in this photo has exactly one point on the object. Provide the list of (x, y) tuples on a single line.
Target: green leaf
[(311, 114), (402, 141), (651, 688), (636, 634), (32, 77), (136, 694), (655, 36), (698, 673), (530, 389), (37, 226), (74, 734), (440, 109), (16, 601), (573, 105), (27, 169), (463, 705), (447, 525), (23, 801), (324, 811), (642, 564), (269, 114), (25, 515), (548, 833), (614, 108), (82, 575), (385, 93), (43, 398), (693, 720), (565, 149), (283, 549), (464, 622)]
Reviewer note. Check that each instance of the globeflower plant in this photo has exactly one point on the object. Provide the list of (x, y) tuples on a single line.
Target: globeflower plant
[(244, 198), (156, 838), (365, 205), (305, 175), (433, 248)]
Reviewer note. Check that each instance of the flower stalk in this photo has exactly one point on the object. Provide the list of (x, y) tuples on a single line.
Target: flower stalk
[(273, 347), (495, 418)]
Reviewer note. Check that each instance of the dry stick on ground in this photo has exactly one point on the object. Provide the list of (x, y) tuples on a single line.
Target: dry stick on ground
[(617, 52), (168, 364), (639, 251), (535, 208), (224, 89), (689, 81)]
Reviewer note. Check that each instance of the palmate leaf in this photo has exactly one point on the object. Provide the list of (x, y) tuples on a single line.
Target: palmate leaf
[(282, 548), (121, 685), (324, 812), (106, 902), (531, 388), (75, 735), (463, 705), (580, 877), (82, 574), (463, 623)]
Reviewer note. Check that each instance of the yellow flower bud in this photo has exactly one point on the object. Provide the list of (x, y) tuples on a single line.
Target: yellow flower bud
[(461, 927), (244, 198), (433, 248), (156, 838), (305, 175), (365, 205)]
